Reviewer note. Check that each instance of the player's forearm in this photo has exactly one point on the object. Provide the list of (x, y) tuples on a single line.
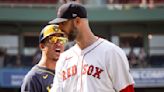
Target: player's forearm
[(129, 88)]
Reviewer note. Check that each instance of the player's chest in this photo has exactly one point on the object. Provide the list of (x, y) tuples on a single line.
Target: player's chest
[(82, 65), (46, 81), (83, 60)]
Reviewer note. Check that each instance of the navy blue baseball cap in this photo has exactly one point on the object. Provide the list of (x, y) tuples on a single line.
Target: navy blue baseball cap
[(69, 11)]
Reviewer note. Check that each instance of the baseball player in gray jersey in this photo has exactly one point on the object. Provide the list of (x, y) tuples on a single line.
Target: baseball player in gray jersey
[(93, 64)]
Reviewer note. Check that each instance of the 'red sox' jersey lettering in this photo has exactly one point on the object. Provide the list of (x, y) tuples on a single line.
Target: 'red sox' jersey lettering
[(87, 69)]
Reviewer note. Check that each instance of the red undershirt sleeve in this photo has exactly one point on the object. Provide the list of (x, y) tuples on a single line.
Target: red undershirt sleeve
[(129, 88)]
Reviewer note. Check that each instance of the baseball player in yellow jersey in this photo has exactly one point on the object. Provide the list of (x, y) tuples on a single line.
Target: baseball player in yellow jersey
[(40, 77), (93, 64)]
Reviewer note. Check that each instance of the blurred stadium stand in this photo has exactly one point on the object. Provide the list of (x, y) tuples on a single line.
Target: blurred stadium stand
[(131, 24), (29, 1)]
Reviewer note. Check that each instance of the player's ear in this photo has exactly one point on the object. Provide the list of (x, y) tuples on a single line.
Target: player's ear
[(42, 46), (77, 21)]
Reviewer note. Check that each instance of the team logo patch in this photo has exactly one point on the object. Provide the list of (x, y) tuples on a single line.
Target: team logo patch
[(45, 76)]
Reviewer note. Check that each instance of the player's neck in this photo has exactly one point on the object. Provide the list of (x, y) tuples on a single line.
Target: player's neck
[(49, 64), (86, 40)]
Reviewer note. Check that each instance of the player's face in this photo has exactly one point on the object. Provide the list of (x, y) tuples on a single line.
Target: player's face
[(54, 46), (70, 29)]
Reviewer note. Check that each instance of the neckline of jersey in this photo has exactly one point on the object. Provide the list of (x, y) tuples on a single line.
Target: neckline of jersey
[(89, 48)]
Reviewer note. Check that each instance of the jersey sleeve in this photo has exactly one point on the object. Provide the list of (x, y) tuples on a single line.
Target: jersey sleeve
[(57, 82), (129, 88), (119, 69), (30, 84)]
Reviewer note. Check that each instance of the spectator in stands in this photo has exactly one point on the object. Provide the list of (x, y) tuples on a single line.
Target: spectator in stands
[(2, 57), (132, 58), (110, 1), (151, 4), (40, 77), (143, 4), (18, 61), (66, 1), (142, 58)]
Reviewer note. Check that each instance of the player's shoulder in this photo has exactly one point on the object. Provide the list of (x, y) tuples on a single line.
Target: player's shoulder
[(109, 46), (33, 73), (68, 51), (32, 80)]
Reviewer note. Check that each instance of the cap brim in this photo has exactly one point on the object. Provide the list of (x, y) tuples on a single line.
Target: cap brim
[(57, 20), (50, 35)]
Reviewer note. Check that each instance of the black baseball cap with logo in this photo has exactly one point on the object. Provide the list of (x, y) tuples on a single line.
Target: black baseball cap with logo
[(69, 11)]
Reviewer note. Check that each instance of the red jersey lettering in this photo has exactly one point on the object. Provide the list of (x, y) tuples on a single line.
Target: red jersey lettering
[(98, 72)]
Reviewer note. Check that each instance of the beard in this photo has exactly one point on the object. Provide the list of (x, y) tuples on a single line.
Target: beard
[(73, 33)]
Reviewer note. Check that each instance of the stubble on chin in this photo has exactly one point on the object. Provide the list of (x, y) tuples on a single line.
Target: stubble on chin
[(73, 34)]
